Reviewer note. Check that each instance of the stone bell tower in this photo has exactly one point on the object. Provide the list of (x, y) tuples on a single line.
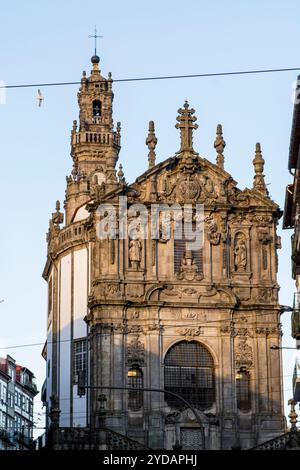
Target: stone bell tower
[(95, 144)]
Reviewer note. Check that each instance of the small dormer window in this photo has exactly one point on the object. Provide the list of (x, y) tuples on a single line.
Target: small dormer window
[(96, 108)]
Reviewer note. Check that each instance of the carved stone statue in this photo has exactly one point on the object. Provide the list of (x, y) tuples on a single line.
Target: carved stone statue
[(189, 269), (57, 216), (213, 234), (135, 253), (240, 254)]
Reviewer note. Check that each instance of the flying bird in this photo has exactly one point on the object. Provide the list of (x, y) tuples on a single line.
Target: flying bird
[(40, 98)]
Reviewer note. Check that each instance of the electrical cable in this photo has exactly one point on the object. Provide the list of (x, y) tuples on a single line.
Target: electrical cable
[(162, 77)]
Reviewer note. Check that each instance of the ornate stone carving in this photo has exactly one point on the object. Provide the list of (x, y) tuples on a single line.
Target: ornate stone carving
[(135, 329), (243, 353), (237, 197), (261, 330), (244, 332), (121, 328), (189, 315), (188, 291), (188, 190), (155, 326), (264, 236), (264, 294), (112, 290), (135, 291), (136, 352), (170, 290), (243, 293), (190, 333), (97, 188), (57, 216), (213, 234), (240, 253), (226, 329), (188, 269)]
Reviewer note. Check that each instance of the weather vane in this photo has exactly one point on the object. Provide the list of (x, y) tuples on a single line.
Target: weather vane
[(95, 36)]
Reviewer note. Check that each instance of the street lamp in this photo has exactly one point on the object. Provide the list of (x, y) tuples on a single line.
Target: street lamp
[(286, 308), (274, 346)]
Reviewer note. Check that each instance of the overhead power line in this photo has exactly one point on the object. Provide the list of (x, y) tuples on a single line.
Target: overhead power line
[(162, 77)]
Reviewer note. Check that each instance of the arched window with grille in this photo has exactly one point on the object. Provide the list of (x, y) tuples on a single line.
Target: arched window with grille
[(96, 108), (189, 372), (135, 383), (243, 394)]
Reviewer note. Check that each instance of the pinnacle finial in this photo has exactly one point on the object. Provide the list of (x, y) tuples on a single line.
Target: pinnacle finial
[(121, 177), (219, 145), (151, 142), (57, 216), (186, 124), (259, 178), (292, 414)]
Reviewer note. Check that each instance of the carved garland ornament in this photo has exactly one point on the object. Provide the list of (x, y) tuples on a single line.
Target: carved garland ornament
[(136, 352)]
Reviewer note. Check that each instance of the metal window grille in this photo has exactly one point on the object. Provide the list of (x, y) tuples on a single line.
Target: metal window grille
[(243, 391), (135, 381), (80, 358), (189, 372), (180, 247)]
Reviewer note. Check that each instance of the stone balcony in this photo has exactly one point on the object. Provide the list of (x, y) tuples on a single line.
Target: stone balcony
[(86, 137)]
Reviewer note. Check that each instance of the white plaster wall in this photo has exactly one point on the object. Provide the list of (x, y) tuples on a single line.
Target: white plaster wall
[(49, 358), (80, 327), (79, 409), (49, 346), (65, 340), (80, 293), (81, 214)]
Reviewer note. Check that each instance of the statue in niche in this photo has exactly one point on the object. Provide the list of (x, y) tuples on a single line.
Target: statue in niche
[(135, 253), (240, 254), (188, 268), (209, 185)]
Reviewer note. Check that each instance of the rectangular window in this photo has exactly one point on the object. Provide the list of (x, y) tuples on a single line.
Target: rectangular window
[(243, 390), (4, 393), (79, 358), (10, 400)]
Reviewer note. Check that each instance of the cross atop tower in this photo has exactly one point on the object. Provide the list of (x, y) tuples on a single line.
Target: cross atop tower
[(95, 36), (186, 125)]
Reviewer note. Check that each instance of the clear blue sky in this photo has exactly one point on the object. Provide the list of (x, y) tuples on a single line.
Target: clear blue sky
[(47, 41)]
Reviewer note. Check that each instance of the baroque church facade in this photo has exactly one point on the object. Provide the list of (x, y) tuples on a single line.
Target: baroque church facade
[(131, 313)]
